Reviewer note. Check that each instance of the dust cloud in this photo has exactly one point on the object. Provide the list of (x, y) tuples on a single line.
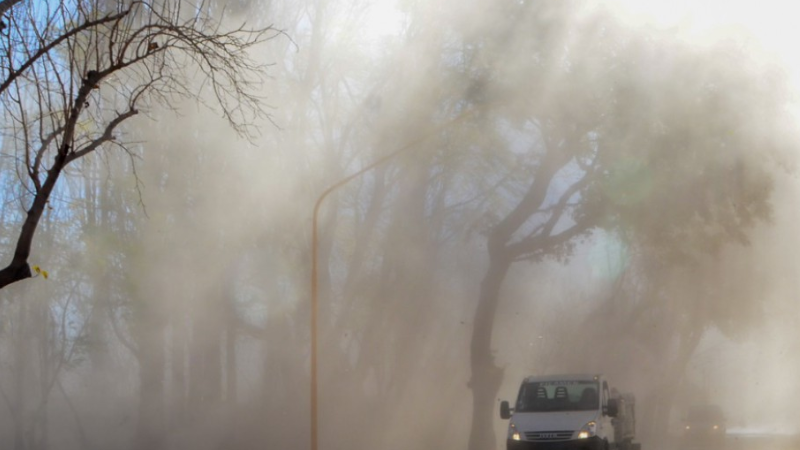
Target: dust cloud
[(177, 310)]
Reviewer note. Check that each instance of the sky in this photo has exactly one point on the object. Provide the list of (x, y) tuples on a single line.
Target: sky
[(772, 22)]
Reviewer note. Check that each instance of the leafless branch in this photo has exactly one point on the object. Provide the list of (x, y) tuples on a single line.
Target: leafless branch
[(88, 78)]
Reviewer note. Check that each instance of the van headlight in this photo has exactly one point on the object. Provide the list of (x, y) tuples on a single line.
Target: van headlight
[(588, 430), (513, 433)]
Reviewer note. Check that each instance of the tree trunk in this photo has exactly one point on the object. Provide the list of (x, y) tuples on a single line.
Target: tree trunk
[(486, 376), (661, 406), (151, 358), (20, 362), (205, 360), (231, 384), (43, 325), (178, 362)]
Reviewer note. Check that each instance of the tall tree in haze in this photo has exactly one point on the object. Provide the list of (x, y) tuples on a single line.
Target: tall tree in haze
[(656, 310), (678, 302), (75, 71), (618, 129)]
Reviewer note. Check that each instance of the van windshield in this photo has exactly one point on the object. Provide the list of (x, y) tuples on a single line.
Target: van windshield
[(706, 414), (567, 395)]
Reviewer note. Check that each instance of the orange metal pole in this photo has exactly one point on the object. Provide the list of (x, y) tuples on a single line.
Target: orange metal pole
[(314, 303), (314, 264)]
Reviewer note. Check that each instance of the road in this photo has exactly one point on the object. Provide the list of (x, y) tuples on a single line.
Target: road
[(736, 442)]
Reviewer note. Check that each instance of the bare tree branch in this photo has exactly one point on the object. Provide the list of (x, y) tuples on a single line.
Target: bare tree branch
[(14, 73), (5, 5), (86, 80)]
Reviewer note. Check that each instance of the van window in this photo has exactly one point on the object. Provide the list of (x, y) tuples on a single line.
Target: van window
[(568, 395), (706, 414)]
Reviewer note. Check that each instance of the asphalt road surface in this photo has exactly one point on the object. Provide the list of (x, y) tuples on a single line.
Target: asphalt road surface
[(734, 442)]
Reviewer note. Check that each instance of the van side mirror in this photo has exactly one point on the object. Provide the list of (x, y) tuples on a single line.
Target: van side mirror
[(612, 409), (505, 410)]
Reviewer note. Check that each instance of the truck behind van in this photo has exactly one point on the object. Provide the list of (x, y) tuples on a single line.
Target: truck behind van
[(568, 412)]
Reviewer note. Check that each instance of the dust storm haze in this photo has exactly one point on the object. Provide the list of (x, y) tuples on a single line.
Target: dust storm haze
[(540, 187)]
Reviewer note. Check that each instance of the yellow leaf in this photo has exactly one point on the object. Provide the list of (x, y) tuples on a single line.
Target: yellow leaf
[(45, 274), (37, 269)]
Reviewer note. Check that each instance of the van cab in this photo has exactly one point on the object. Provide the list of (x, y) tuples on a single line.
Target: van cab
[(704, 427), (561, 412)]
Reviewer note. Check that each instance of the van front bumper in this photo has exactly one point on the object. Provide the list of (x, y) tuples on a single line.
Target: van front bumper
[(592, 443)]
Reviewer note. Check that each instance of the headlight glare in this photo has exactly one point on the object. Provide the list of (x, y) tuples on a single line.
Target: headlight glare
[(513, 433), (588, 430)]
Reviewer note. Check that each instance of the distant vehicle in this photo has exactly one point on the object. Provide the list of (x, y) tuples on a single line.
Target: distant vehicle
[(704, 424), (567, 412)]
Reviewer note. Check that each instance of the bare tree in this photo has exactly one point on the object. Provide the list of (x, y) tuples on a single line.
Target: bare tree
[(75, 71)]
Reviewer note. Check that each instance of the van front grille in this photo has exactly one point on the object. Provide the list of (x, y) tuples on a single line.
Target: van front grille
[(543, 436)]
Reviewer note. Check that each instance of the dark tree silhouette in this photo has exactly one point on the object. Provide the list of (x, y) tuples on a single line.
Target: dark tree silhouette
[(75, 71)]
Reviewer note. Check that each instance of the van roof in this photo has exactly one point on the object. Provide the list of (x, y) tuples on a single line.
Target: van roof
[(564, 377)]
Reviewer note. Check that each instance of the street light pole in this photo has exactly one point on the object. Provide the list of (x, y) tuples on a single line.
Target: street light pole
[(315, 257)]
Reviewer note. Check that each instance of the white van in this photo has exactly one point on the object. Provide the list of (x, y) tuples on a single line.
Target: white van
[(558, 412)]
